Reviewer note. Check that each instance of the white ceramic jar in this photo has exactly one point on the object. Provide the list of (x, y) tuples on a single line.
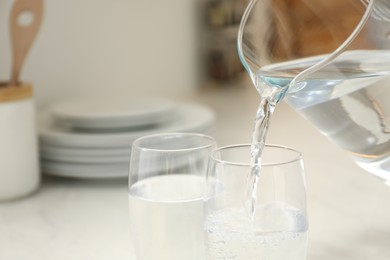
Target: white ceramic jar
[(19, 164)]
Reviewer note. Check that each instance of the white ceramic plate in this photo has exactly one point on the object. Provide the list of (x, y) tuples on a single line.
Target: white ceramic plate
[(111, 112), (186, 118), (81, 155), (84, 170), (87, 155)]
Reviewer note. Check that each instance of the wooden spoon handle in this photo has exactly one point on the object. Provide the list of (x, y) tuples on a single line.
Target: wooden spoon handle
[(22, 35)]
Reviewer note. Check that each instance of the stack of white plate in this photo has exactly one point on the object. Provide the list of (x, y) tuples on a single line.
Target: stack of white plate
[(92, 137)]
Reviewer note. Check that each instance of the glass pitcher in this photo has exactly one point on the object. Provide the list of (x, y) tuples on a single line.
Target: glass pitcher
[(332, 60)]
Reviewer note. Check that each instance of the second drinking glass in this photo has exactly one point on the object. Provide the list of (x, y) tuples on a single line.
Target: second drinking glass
[(277, 227)]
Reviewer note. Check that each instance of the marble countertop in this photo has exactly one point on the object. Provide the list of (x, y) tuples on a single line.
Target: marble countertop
[(349, 210)]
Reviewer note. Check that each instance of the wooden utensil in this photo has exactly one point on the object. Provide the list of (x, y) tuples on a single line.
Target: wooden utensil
[(22, 35)]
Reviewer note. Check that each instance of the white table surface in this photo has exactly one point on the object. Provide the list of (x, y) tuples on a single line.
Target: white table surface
[(349, 210)]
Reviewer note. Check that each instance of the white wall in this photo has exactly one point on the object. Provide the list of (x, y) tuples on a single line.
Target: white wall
[(134, 47)]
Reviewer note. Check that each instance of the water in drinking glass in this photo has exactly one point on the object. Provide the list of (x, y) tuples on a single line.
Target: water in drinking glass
[(231, 234), (166, 217)]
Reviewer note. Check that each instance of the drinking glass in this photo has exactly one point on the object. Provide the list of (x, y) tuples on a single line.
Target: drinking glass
[(277, 227), (167, 182)]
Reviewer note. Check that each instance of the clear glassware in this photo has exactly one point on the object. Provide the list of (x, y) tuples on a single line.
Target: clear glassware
[(167, 180), (278, 228), (330, 61)]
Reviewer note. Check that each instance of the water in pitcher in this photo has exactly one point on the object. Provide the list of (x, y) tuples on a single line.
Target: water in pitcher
[(349, 102)]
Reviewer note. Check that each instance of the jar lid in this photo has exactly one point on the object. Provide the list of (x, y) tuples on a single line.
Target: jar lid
[(14, 92)]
